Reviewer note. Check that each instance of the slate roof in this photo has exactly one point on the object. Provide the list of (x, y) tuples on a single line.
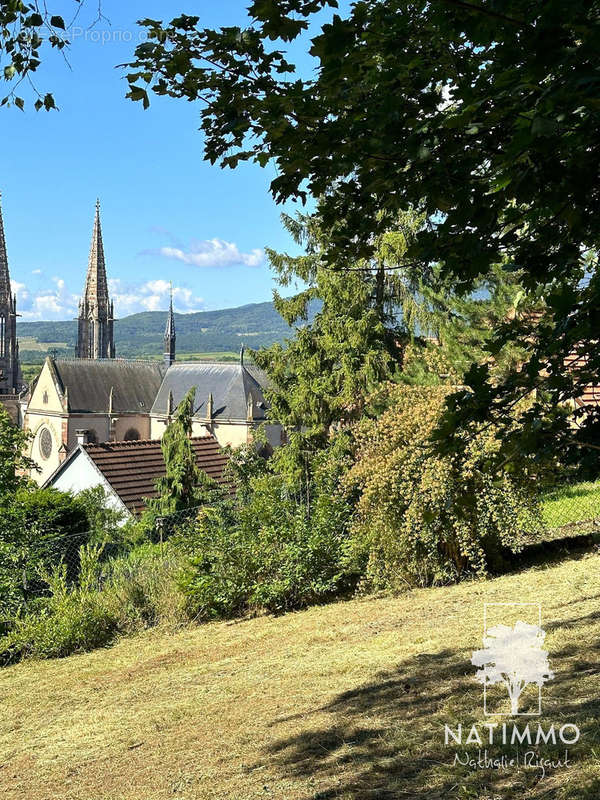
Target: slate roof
[(230, 385), (132, 468), (89, 382)]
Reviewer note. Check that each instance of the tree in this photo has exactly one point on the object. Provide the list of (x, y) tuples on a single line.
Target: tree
[(513, 657), (427, 518), (483, 116), (184, 483), (13, 462), (324, 373), (26, 31), (176, 490), (460, 328)]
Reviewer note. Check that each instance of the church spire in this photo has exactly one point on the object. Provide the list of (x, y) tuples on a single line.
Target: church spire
[(5, 290), (170, 337), (96, 287), (95, 333), (10, 371)]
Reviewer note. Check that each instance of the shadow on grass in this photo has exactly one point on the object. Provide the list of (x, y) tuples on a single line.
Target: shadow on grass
[(553, 551), (385, 739)]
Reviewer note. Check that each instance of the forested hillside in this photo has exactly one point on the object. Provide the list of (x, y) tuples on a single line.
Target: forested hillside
[(225, 330)]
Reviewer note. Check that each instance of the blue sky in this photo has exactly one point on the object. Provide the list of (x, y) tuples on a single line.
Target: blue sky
[(167, 215)]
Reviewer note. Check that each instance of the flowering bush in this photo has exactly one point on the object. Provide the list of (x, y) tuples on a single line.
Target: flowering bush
[(427, 518)]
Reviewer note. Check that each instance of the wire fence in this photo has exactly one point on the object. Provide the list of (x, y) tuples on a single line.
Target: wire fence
[(572, 509), (30, 563), (569, 510)]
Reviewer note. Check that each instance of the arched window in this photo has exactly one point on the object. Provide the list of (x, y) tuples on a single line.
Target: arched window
[(132, 435)]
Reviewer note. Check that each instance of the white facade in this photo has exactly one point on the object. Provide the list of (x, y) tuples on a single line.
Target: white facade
[(81, 473)]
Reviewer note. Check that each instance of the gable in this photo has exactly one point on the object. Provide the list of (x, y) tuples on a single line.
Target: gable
[(47, 393), (79, 473)]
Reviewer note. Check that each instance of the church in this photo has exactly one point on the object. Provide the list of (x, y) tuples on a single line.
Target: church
[(96, 397)]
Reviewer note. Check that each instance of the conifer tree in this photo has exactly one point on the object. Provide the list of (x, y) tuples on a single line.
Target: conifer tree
[(349, 336), (178, 489)]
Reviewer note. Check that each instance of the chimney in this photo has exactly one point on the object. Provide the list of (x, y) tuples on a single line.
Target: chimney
[(82, 437)]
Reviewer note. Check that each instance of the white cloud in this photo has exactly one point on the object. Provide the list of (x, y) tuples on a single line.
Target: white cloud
[(131, 298), (51, 303), (213, 253), (58, 303), (36, 272)]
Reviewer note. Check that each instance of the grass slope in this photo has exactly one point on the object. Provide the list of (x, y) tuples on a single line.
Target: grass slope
[(343, 701)]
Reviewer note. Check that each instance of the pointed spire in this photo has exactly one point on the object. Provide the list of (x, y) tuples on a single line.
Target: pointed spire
[(242, 351), (210, 407), (95, 330), (170, 403), (170, 336), (5, 289), (111, 400), (96, 286), (170, 329)]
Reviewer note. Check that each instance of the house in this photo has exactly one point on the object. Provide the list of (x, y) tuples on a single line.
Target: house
[(128, 471)]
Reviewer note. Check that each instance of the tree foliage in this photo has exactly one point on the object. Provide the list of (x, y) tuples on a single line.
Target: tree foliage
[(178, 489), (13, 461), (483, 116), (280, 542), (428, 518), (27, 31), (323, 374)]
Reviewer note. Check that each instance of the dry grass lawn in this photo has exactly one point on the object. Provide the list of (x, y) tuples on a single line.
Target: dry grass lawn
[(342, 701)]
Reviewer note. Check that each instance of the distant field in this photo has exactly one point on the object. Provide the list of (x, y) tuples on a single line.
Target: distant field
[(208, 356), (31, 343)]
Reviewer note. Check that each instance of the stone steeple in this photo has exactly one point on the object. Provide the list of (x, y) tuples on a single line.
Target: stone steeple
[(95, 330), (10, 371), (170, 337)]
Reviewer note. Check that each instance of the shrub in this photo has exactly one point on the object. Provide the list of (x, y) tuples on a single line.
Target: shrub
[(65, 622), (39, 528), (144, 585), (121, 595), (281, 546), (426, 518)]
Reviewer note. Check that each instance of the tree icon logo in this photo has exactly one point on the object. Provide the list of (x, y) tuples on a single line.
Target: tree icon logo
[(513, 657)]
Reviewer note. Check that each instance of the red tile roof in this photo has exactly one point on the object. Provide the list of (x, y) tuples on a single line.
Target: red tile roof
[(132, 468), (575, 362)]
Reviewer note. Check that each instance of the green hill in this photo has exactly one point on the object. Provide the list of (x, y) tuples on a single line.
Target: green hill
[(224, 331)]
